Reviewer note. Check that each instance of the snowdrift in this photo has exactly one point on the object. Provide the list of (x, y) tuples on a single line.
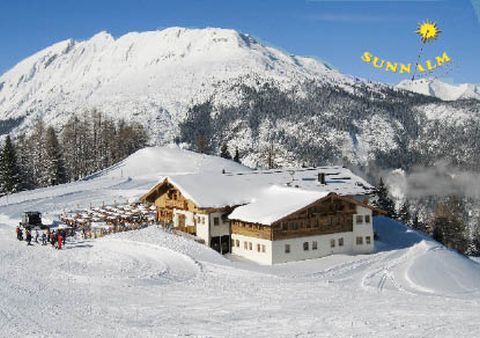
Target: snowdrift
[(426, 266)]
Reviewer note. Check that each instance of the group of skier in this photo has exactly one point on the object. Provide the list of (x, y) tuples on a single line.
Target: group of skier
[(55, 238)]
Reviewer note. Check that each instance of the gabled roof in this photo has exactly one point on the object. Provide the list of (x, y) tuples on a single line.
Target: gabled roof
[(212, 190), (276, 203)]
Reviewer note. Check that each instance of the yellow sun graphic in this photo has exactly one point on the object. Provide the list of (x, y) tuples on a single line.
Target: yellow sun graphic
[(428, 31)]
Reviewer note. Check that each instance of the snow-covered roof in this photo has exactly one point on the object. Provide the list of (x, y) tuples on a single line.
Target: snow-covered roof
[(275, 203), (217, 190)]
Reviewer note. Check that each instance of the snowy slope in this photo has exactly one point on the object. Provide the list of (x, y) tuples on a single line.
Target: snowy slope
[(152, 77), (441, 90), (156, 162), (151, 283), (123, 182)]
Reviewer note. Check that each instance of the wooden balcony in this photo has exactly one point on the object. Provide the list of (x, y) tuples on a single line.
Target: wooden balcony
[(176, 204)]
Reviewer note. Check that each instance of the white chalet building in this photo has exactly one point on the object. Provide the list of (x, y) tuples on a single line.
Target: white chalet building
[(270, 216)]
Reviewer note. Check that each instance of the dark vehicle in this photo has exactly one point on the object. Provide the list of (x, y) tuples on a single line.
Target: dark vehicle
[(32, 219)]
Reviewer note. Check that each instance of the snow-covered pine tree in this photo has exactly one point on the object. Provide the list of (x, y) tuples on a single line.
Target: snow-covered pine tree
[(55, 166), (37, 153), (224, 152), (404, 213), (72, 148), (24, 158), (474, 243), (417, 224), (449, 226), (383, 200), (236, 158), (130, 138), (10, 175)]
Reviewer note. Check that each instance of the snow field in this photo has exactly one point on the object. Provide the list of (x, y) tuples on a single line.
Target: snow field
[(152, 283)]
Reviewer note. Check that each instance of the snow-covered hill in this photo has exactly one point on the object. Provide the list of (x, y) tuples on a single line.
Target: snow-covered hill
[(441, 90), (152, 77), (152, 283)]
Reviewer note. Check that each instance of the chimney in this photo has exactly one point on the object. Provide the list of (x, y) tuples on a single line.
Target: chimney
[(321, 178)]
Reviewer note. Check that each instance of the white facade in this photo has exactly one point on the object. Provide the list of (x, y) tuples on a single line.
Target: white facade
[(203, 228), (363, 228), (267, 252), (219, 225), (359, 241), (254, 249), (207, 225)]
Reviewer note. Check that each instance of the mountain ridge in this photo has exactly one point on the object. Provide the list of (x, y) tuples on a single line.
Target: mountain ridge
[(133, 71), (442, 90), (254, 95)]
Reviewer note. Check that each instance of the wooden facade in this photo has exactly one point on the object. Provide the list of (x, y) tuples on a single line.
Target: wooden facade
[(167, 197), (251, 230), (332, 214)]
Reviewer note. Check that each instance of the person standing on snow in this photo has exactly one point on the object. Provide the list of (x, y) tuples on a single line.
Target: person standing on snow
[(60, 240), (44, 239), (53, 237), (18, 231), (36, 235), (28, 237)]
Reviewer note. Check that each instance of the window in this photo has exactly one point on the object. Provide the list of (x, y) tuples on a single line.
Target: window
[(258, 247), (359, 219), (340, 241), (332, 243), (263, 247), (305, 246), (294, 226), (245, 245), (368, 240), (216, 221), (284, 226), (367, 219), (359, 240), (237, 243), (314, 245), (250, 246), (287, 248)]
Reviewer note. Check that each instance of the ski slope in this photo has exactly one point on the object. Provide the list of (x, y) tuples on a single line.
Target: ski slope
[(151, 283)]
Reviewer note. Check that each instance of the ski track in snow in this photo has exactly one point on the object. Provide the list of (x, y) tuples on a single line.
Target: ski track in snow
[(151, 283)]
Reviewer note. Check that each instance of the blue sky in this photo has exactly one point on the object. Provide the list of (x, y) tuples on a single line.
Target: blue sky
[(336, 31)]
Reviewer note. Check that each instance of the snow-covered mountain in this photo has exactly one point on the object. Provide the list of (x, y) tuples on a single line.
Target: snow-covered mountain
[(441, 90), (253, 96), (151, 77)]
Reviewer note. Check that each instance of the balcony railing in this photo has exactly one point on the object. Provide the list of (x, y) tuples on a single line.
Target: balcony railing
[(175, 204)]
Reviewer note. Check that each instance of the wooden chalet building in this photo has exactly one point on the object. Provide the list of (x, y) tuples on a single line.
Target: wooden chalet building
[(284, 225), (269, 217)]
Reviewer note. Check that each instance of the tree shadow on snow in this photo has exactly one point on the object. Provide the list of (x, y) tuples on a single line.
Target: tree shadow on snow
[(393, 235)]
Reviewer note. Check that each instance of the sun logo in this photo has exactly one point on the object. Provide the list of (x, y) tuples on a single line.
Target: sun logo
[(428, 31)]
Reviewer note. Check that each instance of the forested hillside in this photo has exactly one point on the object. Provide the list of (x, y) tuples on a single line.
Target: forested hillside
[(87, 143)]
